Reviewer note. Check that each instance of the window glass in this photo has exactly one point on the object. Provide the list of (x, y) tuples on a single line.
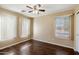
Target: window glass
[(25, 27), (63, 27), (7, 27)]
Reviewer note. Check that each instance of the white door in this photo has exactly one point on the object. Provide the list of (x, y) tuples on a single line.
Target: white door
[(77, 32)]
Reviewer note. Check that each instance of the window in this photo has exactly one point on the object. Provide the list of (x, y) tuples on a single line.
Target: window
[(25, 27), (63, 27), (7, 27)]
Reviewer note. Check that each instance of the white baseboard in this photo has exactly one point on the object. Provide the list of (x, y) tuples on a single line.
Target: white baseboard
[(37, 40), (56, 44), (13, 44)]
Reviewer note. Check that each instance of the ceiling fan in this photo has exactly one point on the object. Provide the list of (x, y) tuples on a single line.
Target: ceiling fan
[(34, 9)]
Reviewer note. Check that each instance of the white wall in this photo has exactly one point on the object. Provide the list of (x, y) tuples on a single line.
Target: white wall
[(12, 31), (44, 30), (77, 33)]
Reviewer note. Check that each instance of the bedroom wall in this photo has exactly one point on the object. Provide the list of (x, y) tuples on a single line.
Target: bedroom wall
[(76, 46), (44, 29), (10, 42)]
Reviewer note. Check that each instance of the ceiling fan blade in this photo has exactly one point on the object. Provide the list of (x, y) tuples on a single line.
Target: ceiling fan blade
[(29, 7), (39, 5), (30, 11), (42, 10), (23, 11)]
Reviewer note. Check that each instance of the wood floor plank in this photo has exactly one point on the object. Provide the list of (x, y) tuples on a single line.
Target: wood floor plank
[(33, 47)]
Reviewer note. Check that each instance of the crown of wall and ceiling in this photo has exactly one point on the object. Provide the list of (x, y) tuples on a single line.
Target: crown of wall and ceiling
[(36, 10)]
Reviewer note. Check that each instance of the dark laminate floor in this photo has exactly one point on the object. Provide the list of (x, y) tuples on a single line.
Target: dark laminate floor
[(33, 47)]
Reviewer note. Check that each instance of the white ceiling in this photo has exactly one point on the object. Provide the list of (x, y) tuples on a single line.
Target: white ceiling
[(50, 8)]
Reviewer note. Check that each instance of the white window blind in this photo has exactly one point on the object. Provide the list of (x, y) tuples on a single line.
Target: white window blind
[(63, 27), (25, 27), (7, 27)]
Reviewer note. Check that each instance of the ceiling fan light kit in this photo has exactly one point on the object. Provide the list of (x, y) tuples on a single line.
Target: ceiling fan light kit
[(34, 9)]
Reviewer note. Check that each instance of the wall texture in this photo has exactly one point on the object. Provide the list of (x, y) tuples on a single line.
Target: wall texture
[(76, 43), (18, 39), (44, 29)]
